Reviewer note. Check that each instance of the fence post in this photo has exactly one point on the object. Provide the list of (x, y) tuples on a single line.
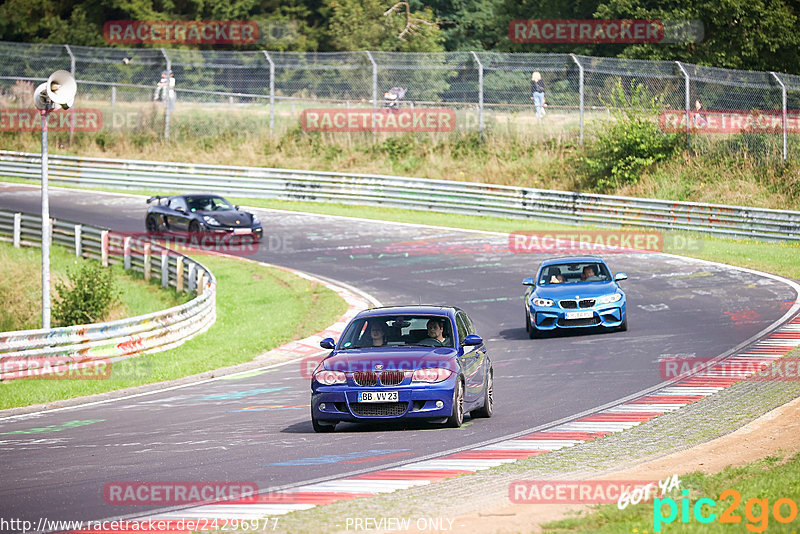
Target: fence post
[(688, 103), (785, 121), (17, 229), (147, 262), (580, 93), (72, 108), (192, 281), (126, 251), (480, 92), (164, 268), (271, 92), (179, 273), (104, 248), (113, 95), (78, 240), (374, 88), (166, 95)]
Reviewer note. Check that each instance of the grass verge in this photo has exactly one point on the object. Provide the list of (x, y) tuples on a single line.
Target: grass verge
[(21, 289), (258, 308), (759, 485)]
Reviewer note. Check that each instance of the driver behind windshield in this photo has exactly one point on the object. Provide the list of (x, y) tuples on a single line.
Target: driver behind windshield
[(436, 337)]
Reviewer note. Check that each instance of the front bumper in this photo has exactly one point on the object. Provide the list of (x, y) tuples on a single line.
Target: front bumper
[(553, 318), (416, 401)]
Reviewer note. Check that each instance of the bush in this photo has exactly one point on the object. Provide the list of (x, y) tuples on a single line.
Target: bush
[(87, 297), (619, 153)]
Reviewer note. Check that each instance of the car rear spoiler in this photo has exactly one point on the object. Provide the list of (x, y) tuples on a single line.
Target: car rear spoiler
[(157, 197)]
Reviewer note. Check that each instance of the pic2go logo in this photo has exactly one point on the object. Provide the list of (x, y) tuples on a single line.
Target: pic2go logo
[(784, 510)]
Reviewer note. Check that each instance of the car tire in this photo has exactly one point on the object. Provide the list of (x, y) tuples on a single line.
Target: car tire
[(624, 326), (488, 398), (322, 427), (151, 224), (457, 415), (533, 332), (194, 227)]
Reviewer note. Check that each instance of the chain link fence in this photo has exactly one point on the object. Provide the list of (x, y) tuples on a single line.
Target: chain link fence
[(249, 93)]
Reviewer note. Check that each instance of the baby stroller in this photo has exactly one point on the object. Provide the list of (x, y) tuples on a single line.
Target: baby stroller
[(392, 97)]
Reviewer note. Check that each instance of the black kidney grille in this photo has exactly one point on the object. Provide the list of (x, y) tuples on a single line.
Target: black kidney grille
[(392, 378), (586, 303), (377, 409), (568, 304), (365, 378)]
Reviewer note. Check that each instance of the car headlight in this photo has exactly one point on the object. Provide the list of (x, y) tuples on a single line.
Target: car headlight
[(432, 374), (543, 302), (608, 299), (329, 378), (211, 220), (256, 220)]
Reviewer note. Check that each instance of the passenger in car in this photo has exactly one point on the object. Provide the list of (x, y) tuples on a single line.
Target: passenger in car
[(436, 337), (588, 274), (377, 333)]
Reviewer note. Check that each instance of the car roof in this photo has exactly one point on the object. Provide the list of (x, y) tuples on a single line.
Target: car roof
[(449, 311), (572, 259)]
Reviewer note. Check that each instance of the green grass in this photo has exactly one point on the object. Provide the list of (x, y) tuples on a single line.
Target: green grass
[(21, 290), (771, 478), (258, 308)]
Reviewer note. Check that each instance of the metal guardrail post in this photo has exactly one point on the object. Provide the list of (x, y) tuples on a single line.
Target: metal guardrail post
[(480, 92), (78, 240), (688, 103), (271, 92), (126, 251), (72, 108), (580, 92), (166, 95), (17, 229), (374, 87), (192, 281), (785, 118), (164, 268)]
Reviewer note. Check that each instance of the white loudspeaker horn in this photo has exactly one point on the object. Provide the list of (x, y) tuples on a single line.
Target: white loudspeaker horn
[(40, 99), (61, 88)]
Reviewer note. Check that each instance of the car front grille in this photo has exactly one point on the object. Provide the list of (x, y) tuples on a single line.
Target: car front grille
[(586, 303), (365, 378), (574, 304), (377, 409), (591, 321), (568, 304), (392, 378)]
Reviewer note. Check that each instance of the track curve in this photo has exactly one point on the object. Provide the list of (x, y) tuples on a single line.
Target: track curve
[(676, 306)]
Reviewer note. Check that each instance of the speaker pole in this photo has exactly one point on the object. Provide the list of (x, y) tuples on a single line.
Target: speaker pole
[(45, 228)]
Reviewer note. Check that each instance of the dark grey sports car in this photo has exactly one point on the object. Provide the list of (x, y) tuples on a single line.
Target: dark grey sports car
[(200, 213)]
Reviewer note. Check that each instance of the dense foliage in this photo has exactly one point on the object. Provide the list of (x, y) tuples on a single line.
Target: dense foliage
[(87, 297), (754, 35)]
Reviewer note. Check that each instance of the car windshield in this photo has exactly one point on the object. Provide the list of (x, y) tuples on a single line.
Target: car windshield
[(398, 331), (575, 272), (208, 204)]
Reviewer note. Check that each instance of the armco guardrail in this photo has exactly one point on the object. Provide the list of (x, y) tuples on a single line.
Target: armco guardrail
[(414, 193), (33, 353)]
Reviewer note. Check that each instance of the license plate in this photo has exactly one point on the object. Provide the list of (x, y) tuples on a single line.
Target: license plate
[(580, 315), (242, 231), (378, 396)]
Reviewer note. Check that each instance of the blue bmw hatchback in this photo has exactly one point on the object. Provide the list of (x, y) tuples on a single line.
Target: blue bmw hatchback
[(574, 292), (404, 362)]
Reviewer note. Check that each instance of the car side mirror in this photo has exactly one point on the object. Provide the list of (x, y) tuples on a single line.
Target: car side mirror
[(620, 276), (327, 343), (472, 340), (528, 282), (236, 207)]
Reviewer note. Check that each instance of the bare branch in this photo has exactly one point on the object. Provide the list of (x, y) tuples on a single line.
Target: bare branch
[(411, 22)]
